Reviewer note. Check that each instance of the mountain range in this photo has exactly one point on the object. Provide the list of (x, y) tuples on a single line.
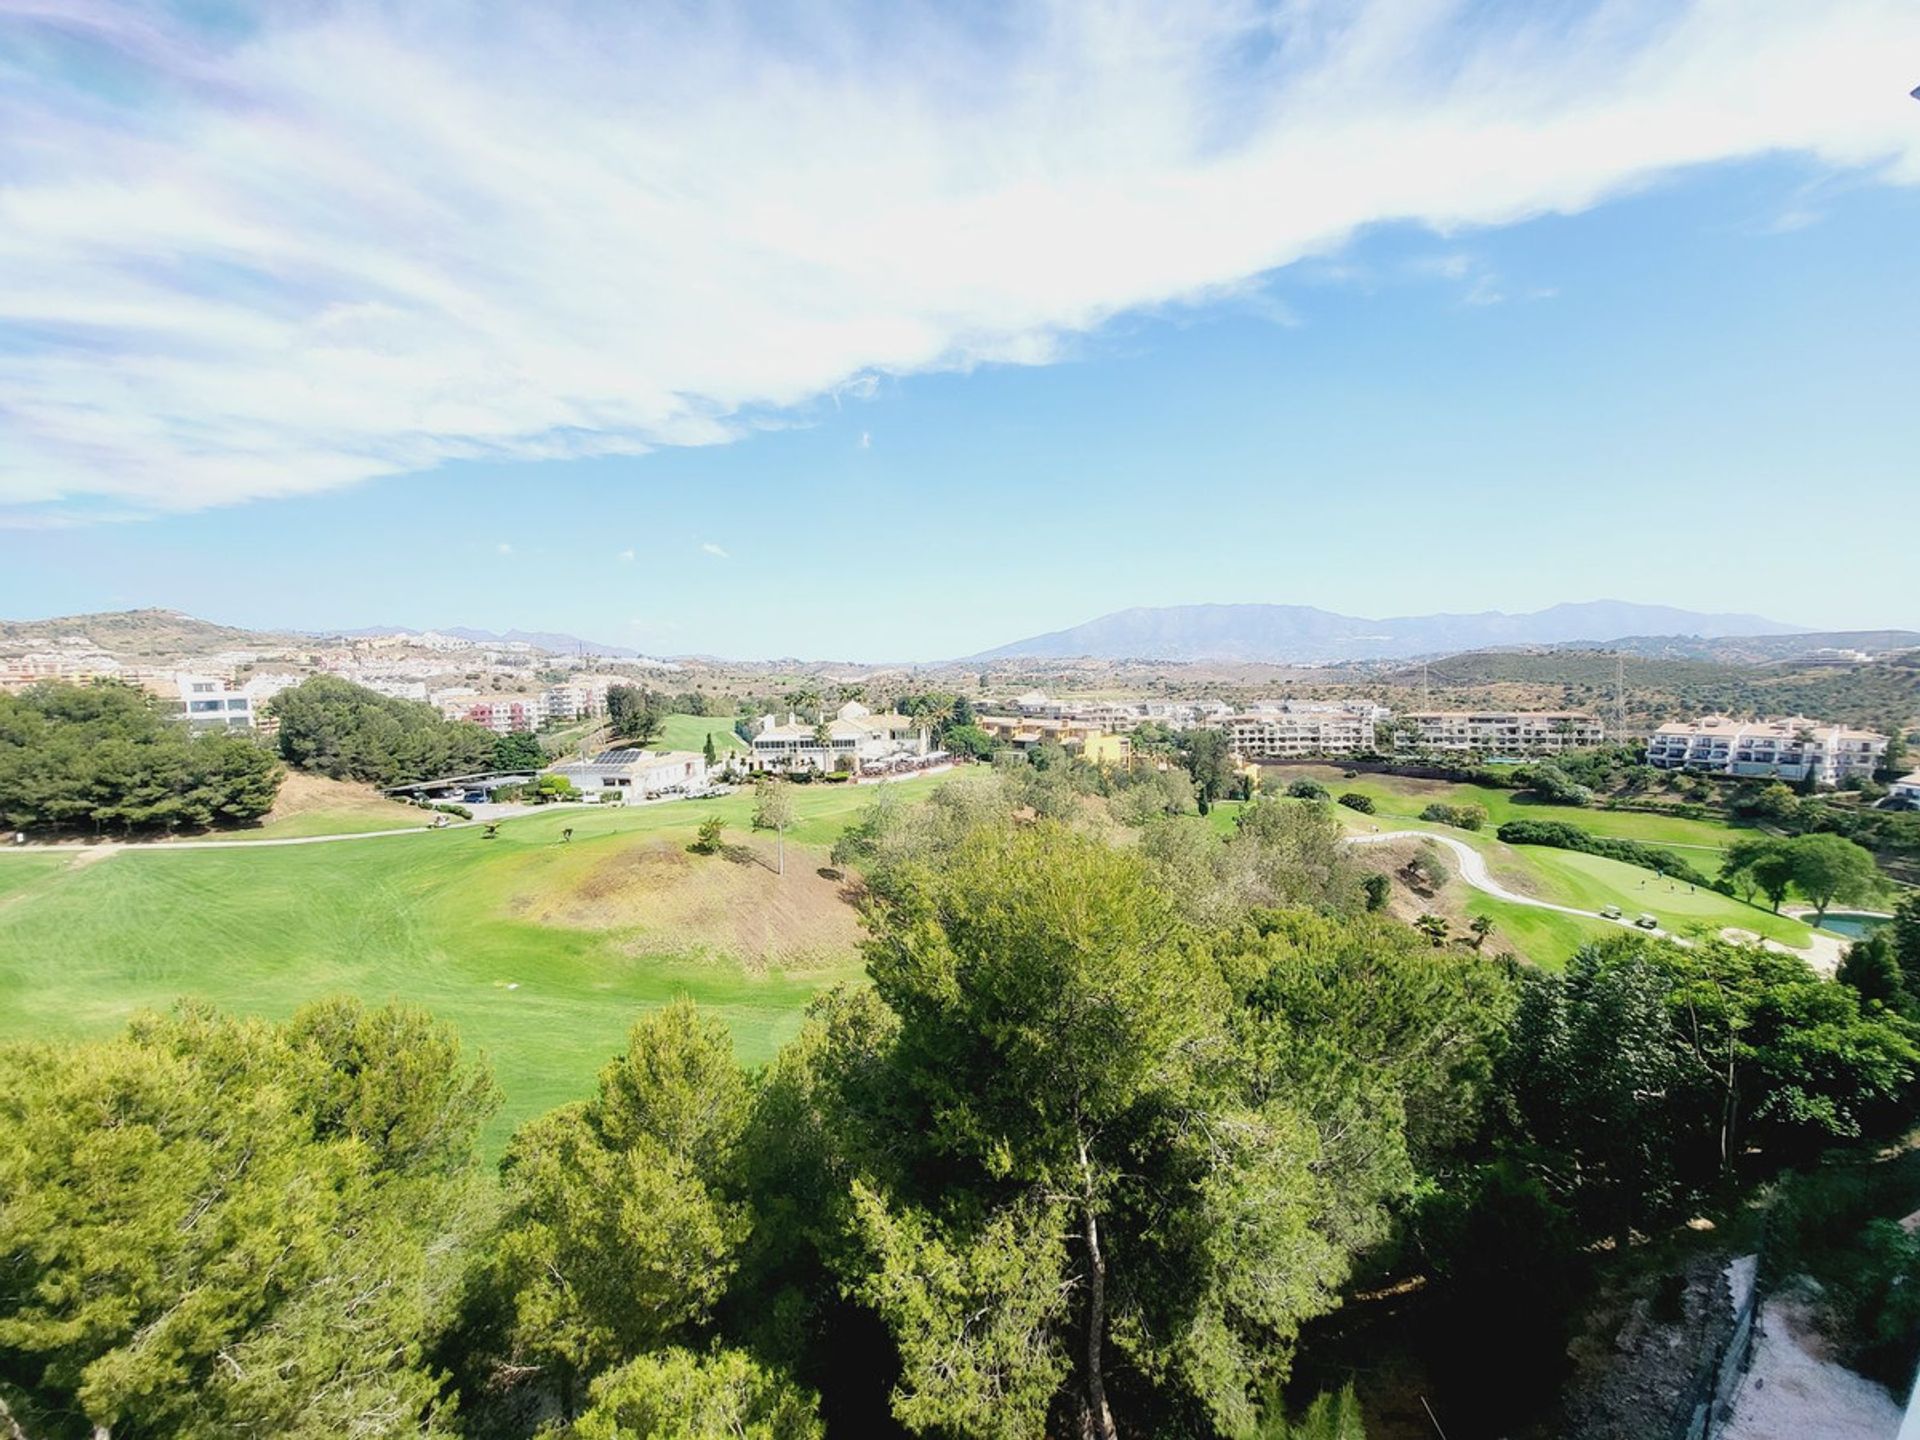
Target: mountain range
[(1302, 634)]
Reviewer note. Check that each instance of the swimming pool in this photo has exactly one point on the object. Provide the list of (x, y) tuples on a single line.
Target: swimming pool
[(1850, 922)]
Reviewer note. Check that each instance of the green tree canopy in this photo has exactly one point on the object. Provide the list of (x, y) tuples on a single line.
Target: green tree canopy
[(1830, 869), (212, 1227), (108, 756), (348, 732), (621, 1229), (676, 1394)]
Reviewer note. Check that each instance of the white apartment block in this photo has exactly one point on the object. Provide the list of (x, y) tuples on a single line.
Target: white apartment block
[(1906, 791), (1505, 733), (207, 701), (1294, 729), (1790, 749), (576, 699), (855, 739), (1117, 717)]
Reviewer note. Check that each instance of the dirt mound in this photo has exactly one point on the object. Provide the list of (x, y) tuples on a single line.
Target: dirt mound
[(303, 794), (732, 906)]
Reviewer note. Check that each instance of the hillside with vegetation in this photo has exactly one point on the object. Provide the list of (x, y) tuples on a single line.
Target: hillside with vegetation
[(1095, 1110), (1883, 694), (138, 634)]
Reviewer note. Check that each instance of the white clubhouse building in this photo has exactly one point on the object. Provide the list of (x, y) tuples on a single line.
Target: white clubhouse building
[(856, 739)]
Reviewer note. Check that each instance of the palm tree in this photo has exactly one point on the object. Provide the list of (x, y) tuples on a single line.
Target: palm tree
[(1434, 927), (1482, 927)]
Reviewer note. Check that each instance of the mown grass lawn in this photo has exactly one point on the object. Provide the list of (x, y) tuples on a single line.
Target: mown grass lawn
[(1402, 797), (689, 732), (429, 918)]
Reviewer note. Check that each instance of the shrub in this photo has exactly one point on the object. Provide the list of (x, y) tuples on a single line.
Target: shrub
[(1354, 800), (448, 808), (707, 841), (1377, 888), (1307, 790), (1550, 782), (1463, 817)]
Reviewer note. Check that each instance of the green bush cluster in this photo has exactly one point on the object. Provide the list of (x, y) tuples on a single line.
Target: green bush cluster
[(1462, 817)]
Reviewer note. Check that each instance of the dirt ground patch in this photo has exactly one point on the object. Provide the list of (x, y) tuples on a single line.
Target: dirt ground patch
[(1428, 891), (731, 905), (302, 794)]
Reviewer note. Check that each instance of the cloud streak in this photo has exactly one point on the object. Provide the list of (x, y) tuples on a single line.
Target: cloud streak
[(359, 240)]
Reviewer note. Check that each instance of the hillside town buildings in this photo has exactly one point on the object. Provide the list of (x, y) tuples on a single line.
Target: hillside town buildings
[(1794, 748)]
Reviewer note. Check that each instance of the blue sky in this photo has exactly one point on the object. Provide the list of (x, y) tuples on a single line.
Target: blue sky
[(875, 362)]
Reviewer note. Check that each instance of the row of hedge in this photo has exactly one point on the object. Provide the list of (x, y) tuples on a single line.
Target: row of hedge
[(1562, 836)]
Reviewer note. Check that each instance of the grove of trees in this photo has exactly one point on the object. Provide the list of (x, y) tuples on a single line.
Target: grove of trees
[(344, 731), (109, 757), (1825, 868)]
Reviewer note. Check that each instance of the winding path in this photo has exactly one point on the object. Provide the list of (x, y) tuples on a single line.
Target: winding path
[(1823, 953)]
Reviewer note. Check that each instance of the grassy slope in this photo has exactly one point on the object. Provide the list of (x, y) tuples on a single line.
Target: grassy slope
[(1403, 798), (689, 732), (1565, 877), (434, 919)]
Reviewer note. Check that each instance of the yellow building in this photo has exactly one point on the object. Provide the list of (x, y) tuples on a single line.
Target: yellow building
[(1106, 749)]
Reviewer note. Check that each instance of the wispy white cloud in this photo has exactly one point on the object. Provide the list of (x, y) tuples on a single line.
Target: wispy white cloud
[(358, 239), (626, 556), (715, 551), (503, 548), (866, 439)]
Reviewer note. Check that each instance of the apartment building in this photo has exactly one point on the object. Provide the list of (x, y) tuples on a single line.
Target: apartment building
[(208, 702), (74, 667), (1294, 729), (1906, 791), (1505, 734), (855, 739), (1026, 731), (502, 714), (577, 699), (1794, 748)]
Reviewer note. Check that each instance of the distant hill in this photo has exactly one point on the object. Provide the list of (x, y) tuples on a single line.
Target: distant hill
[(138, 634), (1756, 649), (1301, 633)]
